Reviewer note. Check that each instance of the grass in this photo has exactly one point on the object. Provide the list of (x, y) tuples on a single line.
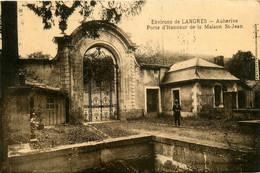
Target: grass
[(113, 131), (64, 135), (72, 134)]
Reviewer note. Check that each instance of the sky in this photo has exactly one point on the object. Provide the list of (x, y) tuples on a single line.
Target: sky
[(158, 24)]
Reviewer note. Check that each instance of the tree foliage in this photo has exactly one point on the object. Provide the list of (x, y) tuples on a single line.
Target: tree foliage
[(39, 55), (98, 69), (242, 65), (110, 11), (151, 53)]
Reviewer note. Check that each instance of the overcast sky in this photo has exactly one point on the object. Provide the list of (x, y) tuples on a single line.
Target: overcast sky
[(221, 41)]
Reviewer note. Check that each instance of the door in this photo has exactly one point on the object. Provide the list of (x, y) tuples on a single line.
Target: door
[(176, 96), (50, 111), (100, 85), (217, 91), (241, 99), (152, 102)]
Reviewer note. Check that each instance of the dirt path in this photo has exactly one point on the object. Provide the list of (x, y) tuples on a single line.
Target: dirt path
[(230, 140)]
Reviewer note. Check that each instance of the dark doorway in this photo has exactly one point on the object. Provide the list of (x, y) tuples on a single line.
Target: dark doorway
[(217, 91), (176, 96), (152, 101)]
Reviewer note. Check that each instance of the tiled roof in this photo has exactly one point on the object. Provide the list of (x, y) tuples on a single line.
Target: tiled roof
[(215, 74), (41, 86), (179, 76), (196, 69), (198, 62)]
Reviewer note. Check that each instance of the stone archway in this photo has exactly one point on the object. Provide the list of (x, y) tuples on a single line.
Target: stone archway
[(72, 50)]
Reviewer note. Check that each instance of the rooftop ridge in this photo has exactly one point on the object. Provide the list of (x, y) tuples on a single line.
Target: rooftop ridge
[(194, 62)]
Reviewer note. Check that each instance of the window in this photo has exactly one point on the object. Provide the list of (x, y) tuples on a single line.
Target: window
[(155, 74), (50, 103)]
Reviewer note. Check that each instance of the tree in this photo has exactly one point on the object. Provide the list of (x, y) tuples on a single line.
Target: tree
[(39, 55), (151, 53), (8, 66), (110, 11), (242, 65)]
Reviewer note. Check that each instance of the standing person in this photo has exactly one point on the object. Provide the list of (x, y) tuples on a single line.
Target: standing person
[(177, 112)]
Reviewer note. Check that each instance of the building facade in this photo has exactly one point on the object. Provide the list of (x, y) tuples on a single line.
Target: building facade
[(103, 81)]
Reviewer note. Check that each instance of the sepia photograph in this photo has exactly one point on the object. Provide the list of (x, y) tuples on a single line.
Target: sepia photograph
[(130, 86)]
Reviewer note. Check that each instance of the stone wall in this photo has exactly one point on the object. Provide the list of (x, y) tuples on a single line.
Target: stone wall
[(187, 99), (81, 157), (185, 91), (206, 96), (246, 114), (195, 97), (145, 78), (18, 116), (176, 155), (166, 100), (43, 72), (170, 155)]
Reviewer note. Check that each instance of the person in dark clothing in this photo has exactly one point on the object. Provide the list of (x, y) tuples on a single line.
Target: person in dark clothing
[(177, 112)]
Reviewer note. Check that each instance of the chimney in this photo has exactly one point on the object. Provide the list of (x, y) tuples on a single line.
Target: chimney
[(219, 60)]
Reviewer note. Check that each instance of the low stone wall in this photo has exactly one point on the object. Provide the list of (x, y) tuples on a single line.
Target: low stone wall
[(246, 114), (79, 157), (166, 155), (175, 155)]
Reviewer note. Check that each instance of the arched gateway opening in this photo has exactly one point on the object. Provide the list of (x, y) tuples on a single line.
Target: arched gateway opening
[(100, 85), (99, 74)]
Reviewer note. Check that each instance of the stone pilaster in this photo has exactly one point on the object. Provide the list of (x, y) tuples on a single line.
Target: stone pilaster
[(195, 98), (132, 89)]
